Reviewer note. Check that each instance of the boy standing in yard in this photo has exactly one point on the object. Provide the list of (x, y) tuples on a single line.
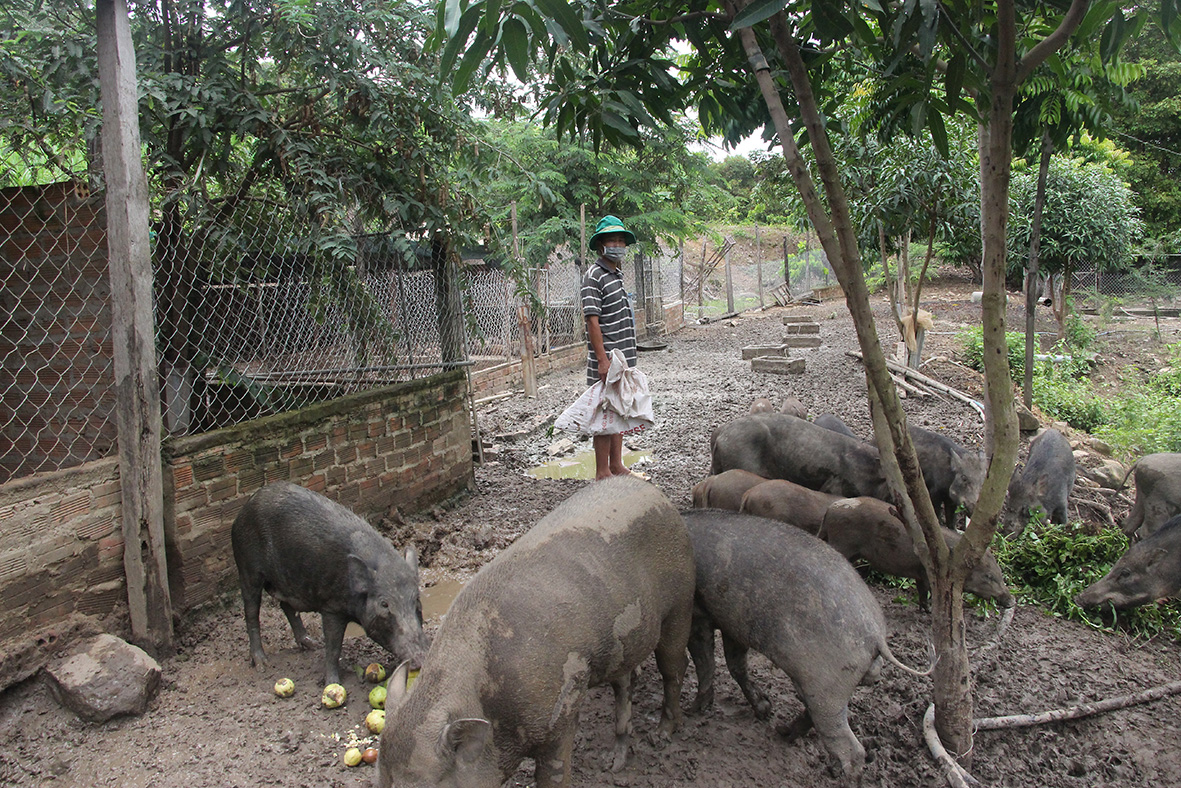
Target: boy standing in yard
[(610, 325)]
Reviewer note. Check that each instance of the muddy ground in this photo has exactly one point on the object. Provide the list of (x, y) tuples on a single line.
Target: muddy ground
[(217, 723)]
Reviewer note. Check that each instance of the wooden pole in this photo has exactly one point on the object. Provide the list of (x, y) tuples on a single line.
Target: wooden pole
[(786, 267), (729, 283), (583, 265), (759, 266), (133, 337), (701, 280)]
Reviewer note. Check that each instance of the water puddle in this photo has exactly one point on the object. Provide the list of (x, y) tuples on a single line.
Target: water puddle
[(580, 465), (437, 599)]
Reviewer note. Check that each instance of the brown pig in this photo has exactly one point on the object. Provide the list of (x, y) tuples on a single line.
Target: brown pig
[(870, 529), (578, 601), (787, 502), (724, 490)]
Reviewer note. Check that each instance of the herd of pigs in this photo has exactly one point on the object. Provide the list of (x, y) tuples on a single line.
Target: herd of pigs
[(615, 573)]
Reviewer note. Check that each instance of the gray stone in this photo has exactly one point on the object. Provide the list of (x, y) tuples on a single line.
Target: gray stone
[(777, 365), (755, 351), (802, 341), (560, 447), (103, 677), (1026, 421), (1110, 474), (789, 319), (802, 328)]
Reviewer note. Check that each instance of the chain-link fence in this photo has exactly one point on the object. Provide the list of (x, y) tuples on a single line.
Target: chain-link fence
[(1146, 279), (56, 362), (720, 280)]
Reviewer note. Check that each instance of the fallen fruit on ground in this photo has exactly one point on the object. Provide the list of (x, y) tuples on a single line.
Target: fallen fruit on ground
[(334, 696), (374, 673), (352, 757), (375, 721), (284, 688), (377, 697), (370, 755)]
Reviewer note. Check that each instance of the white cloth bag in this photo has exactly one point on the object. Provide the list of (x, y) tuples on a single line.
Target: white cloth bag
[(619, 404)]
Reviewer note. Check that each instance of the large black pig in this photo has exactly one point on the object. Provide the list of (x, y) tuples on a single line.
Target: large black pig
[(779, 446), (1044, 483), (1149, 571), (788, 595), (578, 601), (311, 553)]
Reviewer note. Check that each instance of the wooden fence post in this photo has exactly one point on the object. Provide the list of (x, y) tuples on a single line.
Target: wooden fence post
[(133, 337)]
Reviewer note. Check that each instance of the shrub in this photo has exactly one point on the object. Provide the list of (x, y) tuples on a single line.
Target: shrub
[(972, 341), (1146, 418), (1066, 398), (1052, 565)]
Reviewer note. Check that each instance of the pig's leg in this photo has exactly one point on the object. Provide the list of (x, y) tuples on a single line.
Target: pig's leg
[(832, 724), (923, 589), (623, 720), (672, 662), (552, 762), (251, 602), (1135, 517), (701, 648), (736, 662), (334, 625), (302, 637)]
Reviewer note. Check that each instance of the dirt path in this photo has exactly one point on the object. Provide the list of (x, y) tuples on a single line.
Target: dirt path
[(216, 722)]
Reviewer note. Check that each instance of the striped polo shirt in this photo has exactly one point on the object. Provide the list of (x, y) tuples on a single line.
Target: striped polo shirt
[(603, 295)]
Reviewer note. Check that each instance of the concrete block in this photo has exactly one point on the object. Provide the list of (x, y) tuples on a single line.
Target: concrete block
[(777, 365), (802, 341), (789, 319), (754, 351), (803, 328)]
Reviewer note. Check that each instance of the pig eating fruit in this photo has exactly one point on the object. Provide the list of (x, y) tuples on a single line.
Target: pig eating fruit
[(578, 601), (870, 529), (1149, 571), (789, 596), (311, 553)]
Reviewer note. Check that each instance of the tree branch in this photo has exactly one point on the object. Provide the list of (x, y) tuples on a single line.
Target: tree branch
[(1053, 42)]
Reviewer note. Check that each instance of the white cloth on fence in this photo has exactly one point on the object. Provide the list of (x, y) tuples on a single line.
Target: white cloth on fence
[(619, 404)]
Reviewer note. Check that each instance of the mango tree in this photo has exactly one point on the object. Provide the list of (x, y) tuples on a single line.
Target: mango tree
[(613, 67)]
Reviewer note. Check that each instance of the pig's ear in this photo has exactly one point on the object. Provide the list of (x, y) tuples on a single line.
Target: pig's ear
[(360, 577), (395, 687), (412, 558), (466, 738)]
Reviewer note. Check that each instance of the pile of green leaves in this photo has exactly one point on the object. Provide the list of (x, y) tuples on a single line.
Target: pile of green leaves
[(1050, 565)]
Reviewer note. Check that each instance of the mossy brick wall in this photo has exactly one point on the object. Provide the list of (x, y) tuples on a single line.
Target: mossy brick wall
[(408, 446), (508, 376), (61, 537)]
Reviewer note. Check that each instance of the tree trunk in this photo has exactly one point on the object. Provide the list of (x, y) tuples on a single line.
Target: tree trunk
[(1031, 273)]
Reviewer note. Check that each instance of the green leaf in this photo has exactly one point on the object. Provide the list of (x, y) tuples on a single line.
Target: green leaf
[(758, 11), (831, 24), (450, 15), (516, 46), (455, 43), (560, 12), (472, 58), (938, 133), (954, 82)]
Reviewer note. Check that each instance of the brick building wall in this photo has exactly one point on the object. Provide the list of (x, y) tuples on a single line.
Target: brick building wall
[(61, 540), (56, 386)]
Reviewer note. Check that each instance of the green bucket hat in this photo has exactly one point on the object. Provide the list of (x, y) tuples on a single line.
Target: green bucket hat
[(607, 226)]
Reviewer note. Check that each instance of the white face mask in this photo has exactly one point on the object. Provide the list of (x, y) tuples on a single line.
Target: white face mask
[(614, 253)]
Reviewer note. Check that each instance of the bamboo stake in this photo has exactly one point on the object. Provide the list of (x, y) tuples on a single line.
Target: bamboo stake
[(1081, 710), (902, 369)]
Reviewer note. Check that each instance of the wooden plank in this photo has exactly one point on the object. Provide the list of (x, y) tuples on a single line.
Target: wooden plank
[(133, 337)]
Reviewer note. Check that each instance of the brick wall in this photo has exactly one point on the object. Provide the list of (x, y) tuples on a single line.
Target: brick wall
[(56, 388), (61, 541), (508, 376)]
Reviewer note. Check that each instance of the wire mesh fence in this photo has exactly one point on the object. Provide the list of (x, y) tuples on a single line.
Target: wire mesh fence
[(56, 362)]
